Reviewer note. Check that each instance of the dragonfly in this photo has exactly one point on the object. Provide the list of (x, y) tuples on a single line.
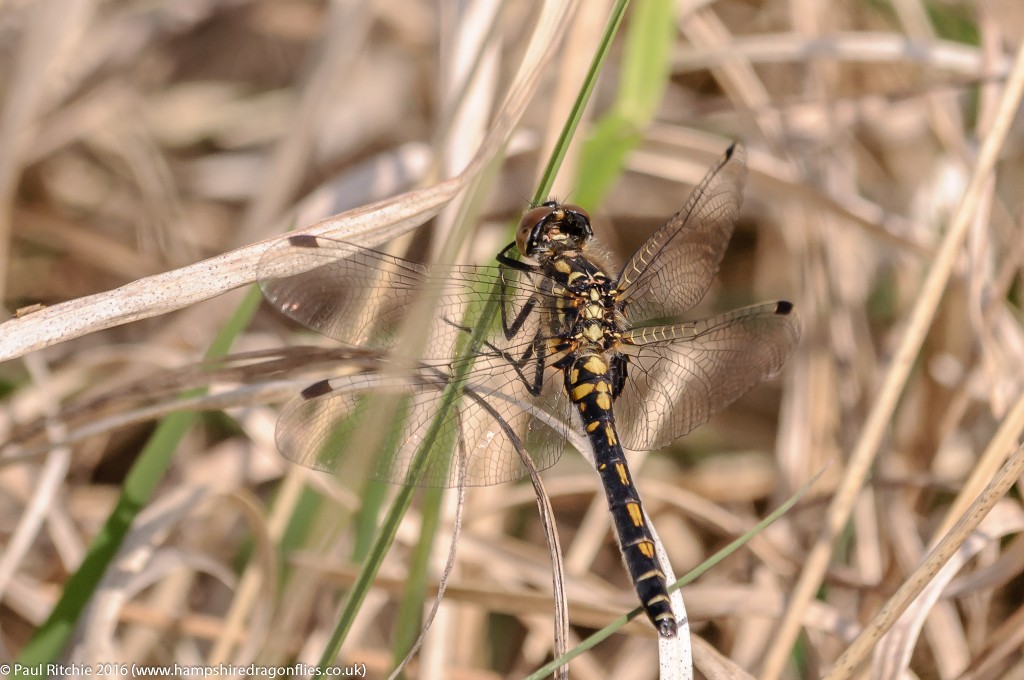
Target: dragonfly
[(547, 342)]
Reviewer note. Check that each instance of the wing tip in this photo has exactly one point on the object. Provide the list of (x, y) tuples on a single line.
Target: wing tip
[(784, 307), (303, 241), (317, 389), (735, 149)]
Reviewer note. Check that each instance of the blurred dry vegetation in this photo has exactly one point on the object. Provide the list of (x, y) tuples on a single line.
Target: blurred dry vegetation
[(140, 137)]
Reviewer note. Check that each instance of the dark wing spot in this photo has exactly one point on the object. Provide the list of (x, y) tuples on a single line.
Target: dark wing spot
[(303, 241), (784, 307), (317, 389)]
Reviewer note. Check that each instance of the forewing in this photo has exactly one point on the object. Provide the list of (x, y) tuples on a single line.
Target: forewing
[(361, 296), (672, 270), (343, 425), (679, 375)]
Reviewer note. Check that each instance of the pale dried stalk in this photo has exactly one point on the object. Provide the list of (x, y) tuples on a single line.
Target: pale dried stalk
[(855, 654), (255, 580), (891, 655), (874, 429), (995, 453), (367, 225), (966, 61)]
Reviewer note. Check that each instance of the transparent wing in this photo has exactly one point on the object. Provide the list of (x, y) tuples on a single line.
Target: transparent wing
[(679, 375), (361, 297), (470, 440), (672, 270)]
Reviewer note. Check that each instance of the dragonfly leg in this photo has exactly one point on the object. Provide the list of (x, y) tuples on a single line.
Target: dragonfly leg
[(505, 260), (512, 329), (536, 353)]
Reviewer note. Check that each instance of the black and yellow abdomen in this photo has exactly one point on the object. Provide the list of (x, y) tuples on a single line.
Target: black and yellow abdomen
[(589, 384)]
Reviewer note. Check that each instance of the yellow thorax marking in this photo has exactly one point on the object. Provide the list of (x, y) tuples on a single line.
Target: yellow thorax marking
[(581, 391)]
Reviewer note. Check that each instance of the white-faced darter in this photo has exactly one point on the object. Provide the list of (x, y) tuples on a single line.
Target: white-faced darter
[(560, 339)]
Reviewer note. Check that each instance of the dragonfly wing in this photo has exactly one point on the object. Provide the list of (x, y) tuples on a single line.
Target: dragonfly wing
[(361, 296), (672, 270), (679, 375), (379, 425)]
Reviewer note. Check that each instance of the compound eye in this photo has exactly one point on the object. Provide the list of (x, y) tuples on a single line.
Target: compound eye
[(568, 207), (532, 219)]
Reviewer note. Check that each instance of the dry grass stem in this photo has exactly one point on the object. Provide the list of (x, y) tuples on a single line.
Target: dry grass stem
[(153, 152)]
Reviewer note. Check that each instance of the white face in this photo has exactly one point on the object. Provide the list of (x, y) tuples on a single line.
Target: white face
[(553, 226)]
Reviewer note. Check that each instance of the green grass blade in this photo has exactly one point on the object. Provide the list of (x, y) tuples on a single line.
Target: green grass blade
[(389, 527), (368, 572), (139, 485), (645, 72), (299, 530), (372, 499), (364, 580), (547, 178), (410, 609)]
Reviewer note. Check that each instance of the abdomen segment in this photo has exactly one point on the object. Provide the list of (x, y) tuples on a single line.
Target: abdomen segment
[(590, 388)]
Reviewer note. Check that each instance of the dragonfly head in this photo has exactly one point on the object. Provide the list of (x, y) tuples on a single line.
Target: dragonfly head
[(553, 226)]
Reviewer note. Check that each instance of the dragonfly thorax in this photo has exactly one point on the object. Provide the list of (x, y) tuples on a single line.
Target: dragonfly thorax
[(552, 228), (589, 313)]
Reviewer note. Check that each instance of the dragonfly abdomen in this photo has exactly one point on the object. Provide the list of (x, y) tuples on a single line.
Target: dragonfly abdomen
[(589, 384)]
